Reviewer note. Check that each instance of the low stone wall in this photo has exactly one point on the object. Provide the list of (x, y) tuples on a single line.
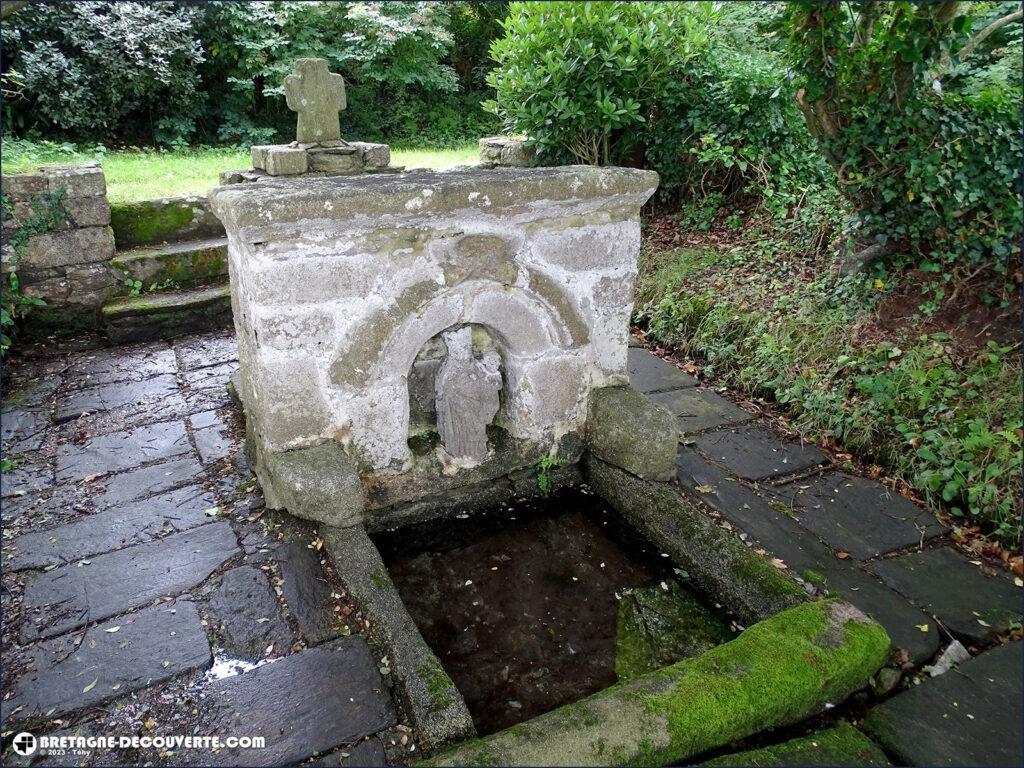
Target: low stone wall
[(506, 152), (165, 219), (57, 237)]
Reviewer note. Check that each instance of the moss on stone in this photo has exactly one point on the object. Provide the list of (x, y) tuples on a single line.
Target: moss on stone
[(841, 745), (765, 576), (439, 685), (149, 221), (813, 577), (379, 577)]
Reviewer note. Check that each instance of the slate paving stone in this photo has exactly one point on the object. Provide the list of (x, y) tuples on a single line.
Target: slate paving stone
[(117, 451), (75, 595), (211, 435), (112, 529), (149, 646), (857, 515), (806, 556), (22, 430), (941, 581), (157, 397), (757, 454), (203, 351), (249, 615), (32, 387), (107, 366), (307, 593), (148, 481), (306, 703), (211, 377), (31, 475), (970, 716), (365, 754), (698, 411), (649, 373)]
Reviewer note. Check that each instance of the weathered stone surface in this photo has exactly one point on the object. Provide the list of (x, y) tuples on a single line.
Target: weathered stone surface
[(149, 222), (21, 185), (627, 430), (286, 161), (210, 376), (972, 717), (658, 627), (842, 745), (249, 615), (147, 481), (698, 411), (365, 754), (88, 211), (856, 515), (764, 678), (506, 151), (334, 161), (716, 560), (75, 595), (213, 441), (78, 180), (166, 314), (121, 450), (756, 454), (466, 396), (649, 373), (147, 647), (157, 397), (319, 483), (64, 248), (435, 705), (972, 606), (305, 703), (111, 529), (106, 366), (307, 593), (27, 477), (318, 95), (206, 350), (23, 430), (373, 155), (185, 264)]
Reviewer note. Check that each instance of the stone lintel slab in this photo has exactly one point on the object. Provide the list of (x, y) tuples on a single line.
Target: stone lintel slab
[(777, 672), (248, 209)]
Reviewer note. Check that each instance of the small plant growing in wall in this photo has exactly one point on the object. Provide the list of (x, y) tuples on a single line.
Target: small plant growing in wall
[(47, 213), (544, 467), (134, 286)]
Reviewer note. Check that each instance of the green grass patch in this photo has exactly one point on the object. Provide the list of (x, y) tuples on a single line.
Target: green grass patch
[(144, 174)]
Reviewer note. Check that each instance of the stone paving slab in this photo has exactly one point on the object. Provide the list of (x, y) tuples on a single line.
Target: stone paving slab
[(203, 351), (215, 376), (148, 481), (149, 646), (75, 595), (211, 435), (23, 430), (754, 453), (107, 366), (972, 715), (859, 516), (649, 373), (117, 451), (697, 411), (947, 585), (249, 615), (307, 593), (806, 556), (112, 529), (27, 477), (156, 397), (34, 392), (365, 754), (306, 703)]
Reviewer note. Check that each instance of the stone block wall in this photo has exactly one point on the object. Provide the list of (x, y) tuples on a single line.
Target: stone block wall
[(57, 237), (506, 152), (338, 283)]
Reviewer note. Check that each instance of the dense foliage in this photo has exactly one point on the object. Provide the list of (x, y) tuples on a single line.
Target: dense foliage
[(176, 73)]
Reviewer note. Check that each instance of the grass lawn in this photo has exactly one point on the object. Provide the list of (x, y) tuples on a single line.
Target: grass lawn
[(144, 174)]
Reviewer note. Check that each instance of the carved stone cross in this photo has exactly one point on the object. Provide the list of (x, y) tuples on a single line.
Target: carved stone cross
[(317, 95)]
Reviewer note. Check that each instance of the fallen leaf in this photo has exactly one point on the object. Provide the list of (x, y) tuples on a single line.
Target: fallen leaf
[(705, 489), (90, 686), (922, 627), (112, 630), (842, 555)]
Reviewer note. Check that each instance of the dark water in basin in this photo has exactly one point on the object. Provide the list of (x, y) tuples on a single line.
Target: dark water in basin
[(520, 604)]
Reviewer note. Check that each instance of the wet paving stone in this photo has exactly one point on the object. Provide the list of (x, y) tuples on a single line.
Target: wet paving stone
[(306, 703), (148, 481), (23, 430), (212, 437), (365, 754), (30, 475), (107, 366), (117, 451), (213, 377), (308, 593), (698, 410), (109, 530), (147, 647), (75, 595), (156, 398), (972, 715), (856, 515), (32, 386), (208, 350), (941, 581), (649, 373), (249, 615), (757, 454)]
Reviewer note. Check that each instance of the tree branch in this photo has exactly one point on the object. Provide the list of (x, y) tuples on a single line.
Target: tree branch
[(979, 38)]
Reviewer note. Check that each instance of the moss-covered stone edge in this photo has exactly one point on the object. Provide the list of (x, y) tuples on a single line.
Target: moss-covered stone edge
[(841, 744)]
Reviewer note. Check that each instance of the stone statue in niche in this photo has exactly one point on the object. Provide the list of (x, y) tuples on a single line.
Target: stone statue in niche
[(467, 397)]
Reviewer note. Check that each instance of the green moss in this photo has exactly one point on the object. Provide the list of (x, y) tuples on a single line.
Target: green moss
[(755, 570), (148, 221), (777, 672), (438, 683), (379, 577), (813, 577), (838, 746)]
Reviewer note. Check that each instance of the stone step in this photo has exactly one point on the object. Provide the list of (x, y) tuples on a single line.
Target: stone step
[(140, 318), (184, 264)]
